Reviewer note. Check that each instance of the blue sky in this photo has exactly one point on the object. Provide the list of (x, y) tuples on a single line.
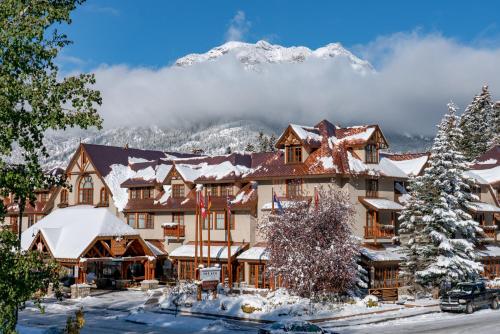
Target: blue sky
[(155, 33)]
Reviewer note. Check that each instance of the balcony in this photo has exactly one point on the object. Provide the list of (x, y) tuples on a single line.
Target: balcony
[(174, 231), (379, 231), (490, 231)]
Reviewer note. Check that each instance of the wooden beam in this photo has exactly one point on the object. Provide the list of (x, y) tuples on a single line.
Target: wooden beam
[(106, 247)]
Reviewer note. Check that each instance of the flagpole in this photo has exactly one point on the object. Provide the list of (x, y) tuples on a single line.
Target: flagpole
[(202, 220), (272, 200), (196, 236), (209, 227), (228, 226)]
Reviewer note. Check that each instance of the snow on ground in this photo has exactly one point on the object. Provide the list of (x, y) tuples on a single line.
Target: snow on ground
[(275, 306)]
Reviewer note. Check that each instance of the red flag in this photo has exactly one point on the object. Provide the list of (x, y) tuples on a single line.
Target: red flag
[(202, 206), (316, 198)]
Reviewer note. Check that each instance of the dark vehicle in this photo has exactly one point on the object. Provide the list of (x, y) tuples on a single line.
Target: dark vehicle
[(292, 327), (467, 297)]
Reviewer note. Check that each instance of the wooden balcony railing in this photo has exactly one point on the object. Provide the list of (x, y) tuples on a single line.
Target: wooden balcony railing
[(376, 231), (490, 231), (174, 231)]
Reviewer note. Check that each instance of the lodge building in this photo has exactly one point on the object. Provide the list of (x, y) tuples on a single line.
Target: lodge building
[(156, 193)]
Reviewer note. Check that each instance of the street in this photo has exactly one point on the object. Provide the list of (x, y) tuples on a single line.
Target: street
[(118, 312)]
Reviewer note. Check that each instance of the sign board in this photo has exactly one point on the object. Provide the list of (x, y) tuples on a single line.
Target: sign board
[(210, 274), (118, 247), (209, 285), (75, 272)]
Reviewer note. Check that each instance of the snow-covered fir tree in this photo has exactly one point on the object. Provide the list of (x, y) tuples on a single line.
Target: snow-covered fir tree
[(442, 235), (411, 223), (311, 247), (476, 126), (495, 125)]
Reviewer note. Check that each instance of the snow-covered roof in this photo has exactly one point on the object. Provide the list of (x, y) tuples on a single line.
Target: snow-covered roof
[(217, 171), (216, 252), (69, 231), (254, 254), (155, 249), (306, 132), (387, 253), (411, 166), (483, 207), (485, 176), (382, 204), (489, 251)]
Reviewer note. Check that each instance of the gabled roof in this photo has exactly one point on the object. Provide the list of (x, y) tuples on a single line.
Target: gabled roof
[(486, 169), (69, 231)]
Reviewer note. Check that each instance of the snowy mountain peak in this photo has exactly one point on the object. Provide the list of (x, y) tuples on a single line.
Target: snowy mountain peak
[(252, 55)]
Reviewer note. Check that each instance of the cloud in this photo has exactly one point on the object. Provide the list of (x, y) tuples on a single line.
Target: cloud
[(102, 9), (238, 27), (417, 75)]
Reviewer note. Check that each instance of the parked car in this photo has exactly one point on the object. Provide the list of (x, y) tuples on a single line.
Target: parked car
[(301, 327), (467, 297)]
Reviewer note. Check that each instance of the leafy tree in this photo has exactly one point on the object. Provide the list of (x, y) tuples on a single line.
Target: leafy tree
[(476, 126), (312, 248), (34, 98), (23, 276), (442, 235)]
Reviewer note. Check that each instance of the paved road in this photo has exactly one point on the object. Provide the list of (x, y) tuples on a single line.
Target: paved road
[(483, 321)]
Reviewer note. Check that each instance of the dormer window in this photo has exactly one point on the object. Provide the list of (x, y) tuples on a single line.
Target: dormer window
[(371, 154), (177, 190), (293, 154)]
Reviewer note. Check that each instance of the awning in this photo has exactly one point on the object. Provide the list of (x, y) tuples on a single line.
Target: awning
[(216, 252), (380, 204), (483, 207), (383, 254), (254, 254), (284, 204)]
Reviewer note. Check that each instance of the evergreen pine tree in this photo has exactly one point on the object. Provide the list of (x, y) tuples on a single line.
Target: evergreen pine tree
[(494, 124), (411, 224), (476, 127), (250, 148), (441, 233), (272, 143)]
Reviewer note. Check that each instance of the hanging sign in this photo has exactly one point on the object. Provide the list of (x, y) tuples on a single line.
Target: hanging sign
[(210, 274)]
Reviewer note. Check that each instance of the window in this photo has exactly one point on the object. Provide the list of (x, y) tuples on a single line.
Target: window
[(140, 220), (293, 154), (131, 220), (147, 193), (371, 188), (44, 197), (293, 188), (63, 198), (178, 190), (371, 154), (13, 224), (213, 190), (103, 198), (400, 187), (86, 190), (31, 220), (220, 220), (134, 193), (226, 190)]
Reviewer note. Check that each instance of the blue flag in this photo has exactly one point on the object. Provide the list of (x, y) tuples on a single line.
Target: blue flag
[(278, 203)]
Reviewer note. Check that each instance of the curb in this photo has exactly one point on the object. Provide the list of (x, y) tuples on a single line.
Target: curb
[(384, 319), (265, 321)]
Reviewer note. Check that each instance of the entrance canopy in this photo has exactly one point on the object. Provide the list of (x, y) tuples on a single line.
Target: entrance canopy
[(380, 204), (69, 234), (217, 252)]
